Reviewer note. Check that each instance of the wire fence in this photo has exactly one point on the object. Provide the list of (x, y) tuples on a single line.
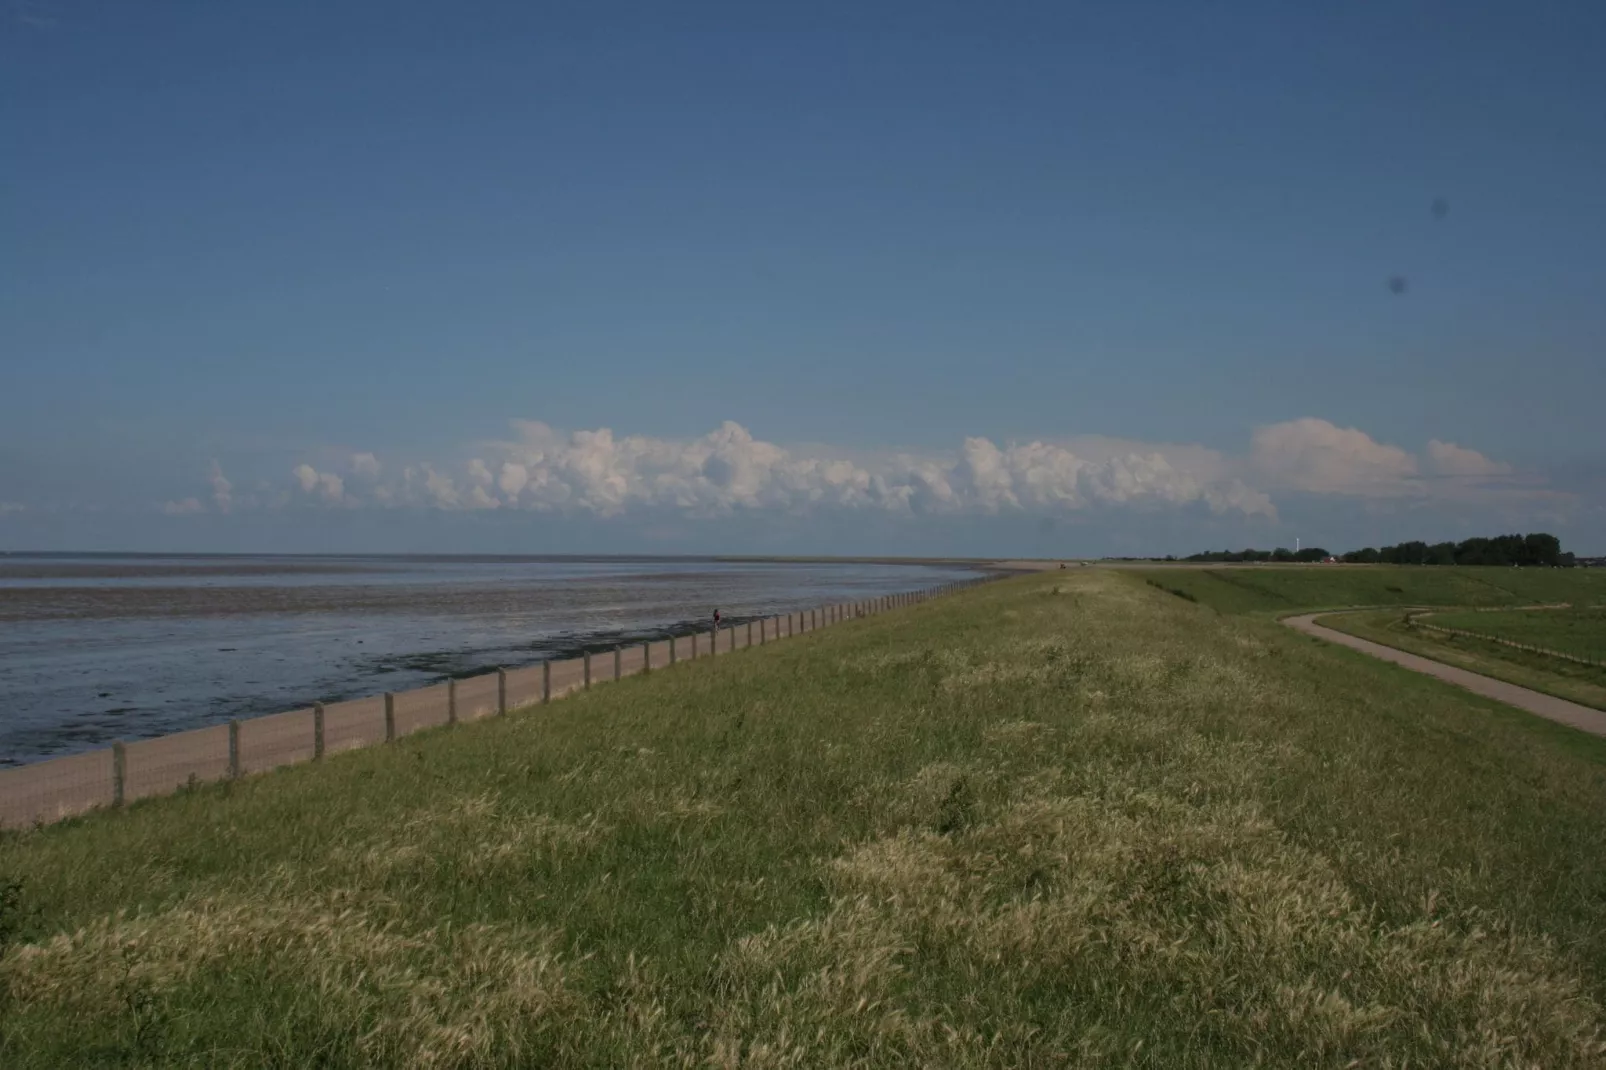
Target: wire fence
[(48, 791), (1413, 622)]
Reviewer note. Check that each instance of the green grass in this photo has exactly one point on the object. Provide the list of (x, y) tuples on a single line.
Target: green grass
[(1064, 820), (1584, 684), (1579, 631), (1282, 588)]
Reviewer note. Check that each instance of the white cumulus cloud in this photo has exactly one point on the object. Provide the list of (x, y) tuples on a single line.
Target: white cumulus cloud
[(1446, 458), (324, 486), (1318, 457), (222, 489), (729, 471), (599, 473)]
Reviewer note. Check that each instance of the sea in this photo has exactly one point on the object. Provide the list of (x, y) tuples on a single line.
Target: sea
[(100, 647)]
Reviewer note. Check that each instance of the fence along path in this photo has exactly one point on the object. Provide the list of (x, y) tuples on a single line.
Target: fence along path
[(61, 787), (1414, 620)]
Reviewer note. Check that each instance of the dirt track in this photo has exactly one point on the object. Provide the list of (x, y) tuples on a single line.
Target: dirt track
[(1535, 702)]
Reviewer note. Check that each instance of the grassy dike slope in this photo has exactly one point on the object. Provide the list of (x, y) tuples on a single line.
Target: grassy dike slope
[(1063, 820)]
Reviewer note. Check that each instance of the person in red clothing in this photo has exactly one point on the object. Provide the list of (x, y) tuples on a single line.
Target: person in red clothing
[(716, 618)]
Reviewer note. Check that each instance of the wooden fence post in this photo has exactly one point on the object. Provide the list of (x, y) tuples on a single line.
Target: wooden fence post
[(317, 730), (546, 681), (618, 660), (390, 717), (501, 690), (119, 772), (587, 657), (646, 657), (671, 650), (451, 701), (234, 750)]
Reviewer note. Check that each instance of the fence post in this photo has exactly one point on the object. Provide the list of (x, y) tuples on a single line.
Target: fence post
[(713, 640), (119, 772), (546, 681), (671, 650), (762, 622), (451, 701), (693, 646), (618, 661), (234, 750), (646, 657), (587, 657), (390, 717), (317, 730), (749, 633)]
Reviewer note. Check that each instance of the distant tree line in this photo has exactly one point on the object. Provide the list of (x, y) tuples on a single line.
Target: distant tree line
[(1537, 550), (1282, 553)]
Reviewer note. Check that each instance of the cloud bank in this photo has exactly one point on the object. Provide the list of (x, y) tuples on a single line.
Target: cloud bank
[(728, 471), (599, 475)]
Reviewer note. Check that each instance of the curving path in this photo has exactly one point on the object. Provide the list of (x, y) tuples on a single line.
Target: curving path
[(1536, 702)]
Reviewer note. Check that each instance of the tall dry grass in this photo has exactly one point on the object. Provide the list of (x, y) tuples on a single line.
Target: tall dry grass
[(1063, 821)]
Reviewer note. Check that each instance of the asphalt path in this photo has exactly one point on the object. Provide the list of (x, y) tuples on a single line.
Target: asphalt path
[(1535, 702)]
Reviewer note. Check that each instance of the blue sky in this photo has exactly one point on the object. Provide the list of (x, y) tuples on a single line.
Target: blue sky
[(947, 278)]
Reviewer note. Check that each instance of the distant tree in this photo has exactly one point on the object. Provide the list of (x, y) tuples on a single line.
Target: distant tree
[(1537, 549), (1542, 549), (1441, 553)]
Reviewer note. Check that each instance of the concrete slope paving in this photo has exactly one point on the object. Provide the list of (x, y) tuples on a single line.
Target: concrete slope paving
[(1536, 702)]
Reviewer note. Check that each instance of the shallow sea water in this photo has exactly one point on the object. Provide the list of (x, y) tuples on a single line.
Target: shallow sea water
[(99, 648)]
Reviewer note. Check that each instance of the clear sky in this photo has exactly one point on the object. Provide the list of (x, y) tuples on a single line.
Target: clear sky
[(943, 278)]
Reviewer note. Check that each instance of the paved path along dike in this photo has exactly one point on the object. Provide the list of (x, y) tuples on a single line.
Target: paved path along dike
[(1536, 702)]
